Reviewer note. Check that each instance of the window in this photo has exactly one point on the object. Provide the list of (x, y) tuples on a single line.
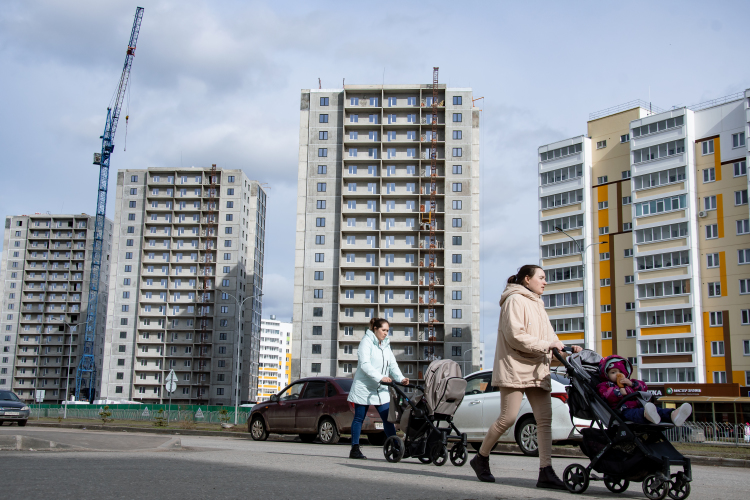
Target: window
[(457, 187), (627, 226), (230, 204), (131, 229), (606, 307), (630, 334), (708, 147), (323, 119), (322, 152), (604, 230), (745, 320), (743, 256), (322, 169), (601, 144), (563, 299), (456, 277), (319, 257), (457, 152), (320, 222), (604, 256), (606, 335), (323, 135), (603, 205), (457, 117), (623, 139), (627, 200), (317, 330), (560, 249), (744, 286), (134, 191), (659, 151), (630, 306), (712, 231), (126, 281), (659, 178), (743, 226), (663, 289), (712, 260), (456, 258), (565, 223), (319, 275), (629, 279), (715, 318), (562, 199), (709, 203), (457, 240), (564, 273), (740, 197), (456, 313), (320, 239), (315, 368), (652, 128), (321, 187), (317, 312), (457, 134), (560, 152), (604, 282), (457, 100), (738, 140), (318, 293), (456, 295), (661, 233), (740, 168), (661, 205), (720, 377), (324, 101), (457, 222)]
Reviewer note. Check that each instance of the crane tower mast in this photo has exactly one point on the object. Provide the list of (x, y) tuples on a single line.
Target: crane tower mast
[(86, 372)]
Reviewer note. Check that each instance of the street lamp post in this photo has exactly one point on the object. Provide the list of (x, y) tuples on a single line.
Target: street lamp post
[(583, 258), (70, 355), (237, 365), (464, 357)]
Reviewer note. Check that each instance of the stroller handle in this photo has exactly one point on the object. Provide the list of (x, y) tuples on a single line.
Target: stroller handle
[(412, 386), (561, 359)]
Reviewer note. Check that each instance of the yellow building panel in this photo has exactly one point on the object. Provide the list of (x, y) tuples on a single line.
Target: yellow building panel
[(604, 217), (665, 330), (723, 273), (570, 336), (604, 268), (712, 334), (605, 294), (717, 157), (606, 348), (720, 211), (606, 319), (602, 193)]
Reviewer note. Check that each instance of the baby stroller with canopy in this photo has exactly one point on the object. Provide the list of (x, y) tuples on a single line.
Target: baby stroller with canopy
[(621, 451), (420, 417)]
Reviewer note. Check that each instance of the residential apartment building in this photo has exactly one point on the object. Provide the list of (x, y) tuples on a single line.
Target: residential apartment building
[(186, 286), (44, 285), (659, 216), (275, 360), (366, 243)]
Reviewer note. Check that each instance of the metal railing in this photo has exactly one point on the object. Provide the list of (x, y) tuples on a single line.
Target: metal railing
[(638, 103), (719, 433), (118, 414), (715, 102)]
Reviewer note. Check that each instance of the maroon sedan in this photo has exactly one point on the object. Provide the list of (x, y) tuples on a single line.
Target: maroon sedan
[(313, 407)]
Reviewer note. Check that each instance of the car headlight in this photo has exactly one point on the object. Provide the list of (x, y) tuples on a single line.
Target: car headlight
[(25, 408)]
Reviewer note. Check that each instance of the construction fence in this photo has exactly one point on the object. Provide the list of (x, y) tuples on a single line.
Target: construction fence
[(718, 433), (146, 413)]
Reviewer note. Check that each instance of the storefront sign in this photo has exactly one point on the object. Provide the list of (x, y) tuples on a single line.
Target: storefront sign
[(713, 390)]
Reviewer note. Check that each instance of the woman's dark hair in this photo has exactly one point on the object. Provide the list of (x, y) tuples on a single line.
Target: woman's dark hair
[(527, 270), (377, 323)]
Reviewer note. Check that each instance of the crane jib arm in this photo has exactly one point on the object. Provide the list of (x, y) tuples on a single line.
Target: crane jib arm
[(86, 372)]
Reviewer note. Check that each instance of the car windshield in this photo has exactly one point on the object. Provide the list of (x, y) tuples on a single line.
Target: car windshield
[(8, 396), (345, 384)]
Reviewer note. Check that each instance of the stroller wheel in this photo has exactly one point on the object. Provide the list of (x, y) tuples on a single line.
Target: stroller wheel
[(393, 449), (458, 455), (439, 454), (576, 478), (679, 488), (654, 488), (616, 485), (425, 460)]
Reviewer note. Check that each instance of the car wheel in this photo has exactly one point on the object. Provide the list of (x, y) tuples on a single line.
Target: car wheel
[(327, 431), (307, 438), (22, 423), (526, 437), (258, 429), (377, 439)]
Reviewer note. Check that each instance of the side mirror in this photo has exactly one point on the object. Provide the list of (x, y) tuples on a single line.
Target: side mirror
[(274, 398)]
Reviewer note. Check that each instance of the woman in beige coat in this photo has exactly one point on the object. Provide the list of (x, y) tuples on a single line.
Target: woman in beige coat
[(523, 353)]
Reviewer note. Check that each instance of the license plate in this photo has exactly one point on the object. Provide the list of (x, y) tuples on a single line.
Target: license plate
[(11, 413), (379, 425)]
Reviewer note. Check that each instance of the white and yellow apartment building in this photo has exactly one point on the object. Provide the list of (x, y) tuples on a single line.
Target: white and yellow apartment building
[(275, 360), (651, 260)]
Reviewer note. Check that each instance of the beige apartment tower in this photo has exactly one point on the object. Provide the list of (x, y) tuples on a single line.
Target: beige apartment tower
[(189, 251), (364, 240), (657, 202), (46, 267)]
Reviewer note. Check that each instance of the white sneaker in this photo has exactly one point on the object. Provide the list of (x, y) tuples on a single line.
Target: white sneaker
[(681, 414), (649, 411)]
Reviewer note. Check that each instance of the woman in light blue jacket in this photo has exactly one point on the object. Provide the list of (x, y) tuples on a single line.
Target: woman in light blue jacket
[(376, 364)]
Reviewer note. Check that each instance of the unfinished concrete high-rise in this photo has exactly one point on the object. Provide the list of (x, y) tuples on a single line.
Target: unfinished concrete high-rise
[(44, 285), (364, 230), (189, 250)]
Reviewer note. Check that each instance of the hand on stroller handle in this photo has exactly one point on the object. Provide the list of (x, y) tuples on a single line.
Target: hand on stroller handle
[(393, 383)]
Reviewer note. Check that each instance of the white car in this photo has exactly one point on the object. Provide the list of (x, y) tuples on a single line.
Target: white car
[(481, 407)]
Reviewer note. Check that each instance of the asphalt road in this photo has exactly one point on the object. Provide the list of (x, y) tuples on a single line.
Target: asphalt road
[(229, 468)]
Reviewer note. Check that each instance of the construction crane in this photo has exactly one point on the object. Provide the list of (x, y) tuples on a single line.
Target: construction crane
[(86, 372)]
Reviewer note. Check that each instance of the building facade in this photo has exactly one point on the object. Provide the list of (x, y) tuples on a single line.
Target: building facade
[(44, 285), (275, 360), (365, 238), (667, 273), (186, 285)]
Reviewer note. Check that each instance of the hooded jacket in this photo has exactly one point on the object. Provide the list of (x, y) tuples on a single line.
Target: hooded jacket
[(609, 390), (375, 361), (524, 334)]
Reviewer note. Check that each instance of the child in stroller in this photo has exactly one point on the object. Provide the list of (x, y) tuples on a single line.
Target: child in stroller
[(616, 385)]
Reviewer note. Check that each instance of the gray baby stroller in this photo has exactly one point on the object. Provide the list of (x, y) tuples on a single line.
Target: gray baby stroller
[(621, 451), (421, 415)]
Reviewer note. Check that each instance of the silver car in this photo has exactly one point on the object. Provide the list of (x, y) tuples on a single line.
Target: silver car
[(12, 409)]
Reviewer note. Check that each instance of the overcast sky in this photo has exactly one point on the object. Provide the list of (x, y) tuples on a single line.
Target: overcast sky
[(219, 82)]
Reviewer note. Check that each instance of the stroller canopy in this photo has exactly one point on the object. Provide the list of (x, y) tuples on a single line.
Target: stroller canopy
[(444, 387)]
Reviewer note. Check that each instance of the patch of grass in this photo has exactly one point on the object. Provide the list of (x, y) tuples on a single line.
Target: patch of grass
[(704, 450)]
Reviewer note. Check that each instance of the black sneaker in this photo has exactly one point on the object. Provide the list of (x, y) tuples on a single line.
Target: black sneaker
[(356, 453), (548, 479), (481, 466)]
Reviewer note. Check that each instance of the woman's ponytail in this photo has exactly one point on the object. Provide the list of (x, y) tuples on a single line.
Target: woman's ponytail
[(525, 271), (377, 323)]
